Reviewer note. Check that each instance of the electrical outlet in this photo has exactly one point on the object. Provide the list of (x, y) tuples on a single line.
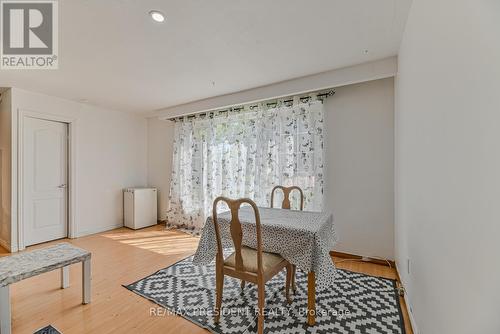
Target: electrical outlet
[(408, 265)]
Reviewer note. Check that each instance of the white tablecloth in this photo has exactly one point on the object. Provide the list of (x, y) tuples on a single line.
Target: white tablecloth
[(303, 238)]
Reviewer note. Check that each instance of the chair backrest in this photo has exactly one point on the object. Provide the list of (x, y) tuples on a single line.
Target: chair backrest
[(236, 231), (286, 196)]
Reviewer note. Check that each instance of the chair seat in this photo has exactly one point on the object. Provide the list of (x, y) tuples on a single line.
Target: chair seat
[(249, 255)]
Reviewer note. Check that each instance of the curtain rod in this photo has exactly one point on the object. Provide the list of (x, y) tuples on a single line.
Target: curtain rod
[(321, 95)]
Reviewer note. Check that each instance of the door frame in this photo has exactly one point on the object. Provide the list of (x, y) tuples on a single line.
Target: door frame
[(72, 185)]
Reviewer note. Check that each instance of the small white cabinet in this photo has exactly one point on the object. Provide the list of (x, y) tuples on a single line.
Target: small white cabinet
[(140, 207)]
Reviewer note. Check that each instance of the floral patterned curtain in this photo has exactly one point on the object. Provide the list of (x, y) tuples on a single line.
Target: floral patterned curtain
[(246, 153)]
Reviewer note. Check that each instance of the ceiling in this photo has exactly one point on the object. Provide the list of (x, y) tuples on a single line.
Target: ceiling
[(112, 54)]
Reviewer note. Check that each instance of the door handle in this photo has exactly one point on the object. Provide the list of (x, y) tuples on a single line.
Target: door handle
[(62, 186)]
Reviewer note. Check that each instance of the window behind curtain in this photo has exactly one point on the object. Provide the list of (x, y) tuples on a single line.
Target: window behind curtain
[(245, 154)]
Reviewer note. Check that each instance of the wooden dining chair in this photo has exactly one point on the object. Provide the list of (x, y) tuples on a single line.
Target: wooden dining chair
[(246, 263), (286, 205), (286, 196)]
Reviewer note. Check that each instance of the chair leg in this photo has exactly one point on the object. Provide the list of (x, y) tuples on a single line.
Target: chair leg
[(262, 294), (242, 284), (294, 269), (289, 271), (219, 283)]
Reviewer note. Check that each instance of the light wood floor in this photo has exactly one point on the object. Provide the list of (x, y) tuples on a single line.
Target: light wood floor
[(119, 257)]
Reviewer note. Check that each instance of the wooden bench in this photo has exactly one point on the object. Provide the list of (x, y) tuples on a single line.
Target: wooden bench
[(23, 265)]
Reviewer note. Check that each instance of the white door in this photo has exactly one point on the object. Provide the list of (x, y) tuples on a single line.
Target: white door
[(45, 180)]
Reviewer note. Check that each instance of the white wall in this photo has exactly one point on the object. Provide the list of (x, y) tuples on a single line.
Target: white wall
[(379, 69), (360, 161), (360, 167), (5, 168), (160, 145), (110, 155), (448, 165)]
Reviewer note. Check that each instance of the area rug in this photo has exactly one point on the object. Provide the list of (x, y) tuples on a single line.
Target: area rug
[(48, 330), (357, 303)]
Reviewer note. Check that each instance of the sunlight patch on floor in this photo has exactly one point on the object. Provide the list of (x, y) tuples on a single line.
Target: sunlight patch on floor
[(161, 241)]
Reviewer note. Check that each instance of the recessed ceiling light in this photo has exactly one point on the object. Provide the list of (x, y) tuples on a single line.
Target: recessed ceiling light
[(157, 16)]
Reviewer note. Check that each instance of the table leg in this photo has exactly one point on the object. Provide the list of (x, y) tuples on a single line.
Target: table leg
[(86, 294), (5, 310), (311, 298), (64, 277)]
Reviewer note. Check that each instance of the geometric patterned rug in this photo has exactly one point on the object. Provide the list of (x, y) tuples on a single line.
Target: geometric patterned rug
[(357, 303), (47, 330)]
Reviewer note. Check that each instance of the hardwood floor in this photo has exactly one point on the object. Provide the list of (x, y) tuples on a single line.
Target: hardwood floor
[(119, 257)]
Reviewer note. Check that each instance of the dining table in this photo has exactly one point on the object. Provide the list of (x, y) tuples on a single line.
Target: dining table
[(303, 238)]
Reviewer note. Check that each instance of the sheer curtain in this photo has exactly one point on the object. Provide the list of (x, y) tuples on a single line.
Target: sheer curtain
[(245, 153)]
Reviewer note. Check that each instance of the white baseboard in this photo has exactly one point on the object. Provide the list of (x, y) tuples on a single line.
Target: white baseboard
[(409, 308), (5, 244), (98, 229)]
